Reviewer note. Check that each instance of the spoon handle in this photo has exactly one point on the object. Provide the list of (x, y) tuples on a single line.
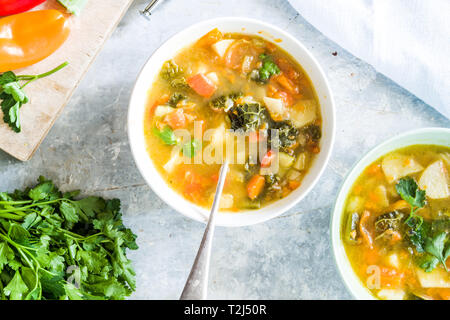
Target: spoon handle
[(197, 283), (149, 8)]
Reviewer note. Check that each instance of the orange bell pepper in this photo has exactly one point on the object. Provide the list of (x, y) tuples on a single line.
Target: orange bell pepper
[(30, 37)]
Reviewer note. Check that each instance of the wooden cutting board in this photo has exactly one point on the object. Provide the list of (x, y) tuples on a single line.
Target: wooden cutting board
[(48, 96)]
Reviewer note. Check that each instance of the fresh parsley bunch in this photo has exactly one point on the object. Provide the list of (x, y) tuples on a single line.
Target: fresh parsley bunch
[(429, 238), (55, 247), (13, 97)]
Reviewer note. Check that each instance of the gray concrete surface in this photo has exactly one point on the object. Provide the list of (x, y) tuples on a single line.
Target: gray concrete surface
[(286, 258)]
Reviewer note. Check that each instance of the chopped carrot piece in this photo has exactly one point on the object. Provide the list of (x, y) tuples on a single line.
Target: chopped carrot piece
[(293, 184), (286, 97), (367, 237), (315, 150), (399, 205), (271, 90), (176, 119), (195, 185), (255, 186), (266, 161), (391, 277), (287, 84), (202, 85), (288, 69), (210, 38), (271, 47), (374, 169)]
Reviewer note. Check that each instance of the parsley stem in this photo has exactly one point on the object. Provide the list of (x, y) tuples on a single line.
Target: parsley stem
[(79, 237), (31, 78), (7, 239), (11, 216), (31, 206), (12, 203)]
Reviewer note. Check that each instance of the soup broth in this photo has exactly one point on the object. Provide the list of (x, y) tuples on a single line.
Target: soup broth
[(397, 222), (240, 82)]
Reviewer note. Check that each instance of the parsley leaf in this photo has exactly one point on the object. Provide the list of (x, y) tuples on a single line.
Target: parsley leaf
[(191, 148), (12, 95), (408, 189), (166, 135), (7, 77), (16, 288), (268, 69), (436, 247), (429, 262)]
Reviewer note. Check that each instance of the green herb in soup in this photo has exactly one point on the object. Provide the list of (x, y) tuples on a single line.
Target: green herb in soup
[(396, 226), (238, 82)]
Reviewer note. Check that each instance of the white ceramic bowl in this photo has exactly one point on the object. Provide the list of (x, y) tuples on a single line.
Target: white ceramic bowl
[(168, 50), (428, 136)]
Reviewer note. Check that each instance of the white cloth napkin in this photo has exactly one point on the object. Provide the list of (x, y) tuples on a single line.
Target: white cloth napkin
[(406, 40)]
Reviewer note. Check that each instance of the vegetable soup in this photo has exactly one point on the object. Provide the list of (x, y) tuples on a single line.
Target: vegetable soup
[(228, 83), (397, 222)]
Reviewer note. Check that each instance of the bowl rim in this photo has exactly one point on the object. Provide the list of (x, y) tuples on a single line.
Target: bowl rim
[(244, 218), (346, 272)]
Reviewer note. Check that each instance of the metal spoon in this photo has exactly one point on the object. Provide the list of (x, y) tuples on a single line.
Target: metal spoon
[(197, 283), (147, 12)]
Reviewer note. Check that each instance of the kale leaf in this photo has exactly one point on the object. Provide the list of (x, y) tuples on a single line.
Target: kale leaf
[(225, 102), (287, 135), (175, 98), (247, 116), (174, 75)]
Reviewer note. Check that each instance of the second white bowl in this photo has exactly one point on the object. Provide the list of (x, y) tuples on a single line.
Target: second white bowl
[(426, 136)]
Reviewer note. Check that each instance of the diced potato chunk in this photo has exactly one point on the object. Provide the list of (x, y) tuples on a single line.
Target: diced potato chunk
[(355, 204), (446, 157), (275, 107), (396, 166), (293, 174), (247, 64), (173, 162), (222, 46), (438, 278), (218, 136), (213, 77), (303, 112), (391, 294), (393, 260), (226, 200), (201, 68), (382, 197), (285, 160), (161, 111), (300, 163), (434, 180)]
